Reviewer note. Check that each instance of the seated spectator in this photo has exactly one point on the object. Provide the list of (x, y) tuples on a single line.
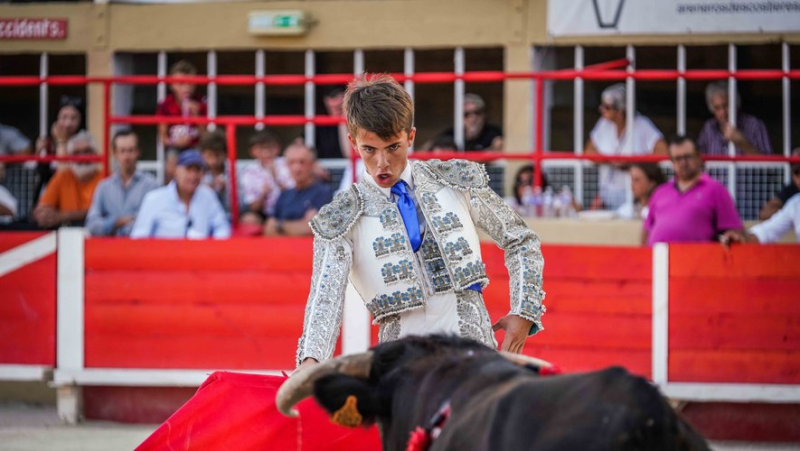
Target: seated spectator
[(692, 207), (296, 206), (609, 137), (181, 102), (69, 194), (749, 135), (331, 140), (771, 230), (645, 178), (8, 205), (444, 144), (117, 199), (69, 120), (478, 135), (265, 179), (214, 150), (12, 142), (183, 209), (523, 186), (776, 203)]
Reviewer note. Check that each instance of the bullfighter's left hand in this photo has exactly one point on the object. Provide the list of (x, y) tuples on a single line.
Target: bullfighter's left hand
[(517, 329)]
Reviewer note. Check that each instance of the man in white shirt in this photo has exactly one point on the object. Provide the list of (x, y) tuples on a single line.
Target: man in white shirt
[(184, 208), (773, 229)]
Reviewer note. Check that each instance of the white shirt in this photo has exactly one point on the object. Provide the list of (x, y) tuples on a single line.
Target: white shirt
[(771, 230), (163, 215), (613, 182), (256, 177)]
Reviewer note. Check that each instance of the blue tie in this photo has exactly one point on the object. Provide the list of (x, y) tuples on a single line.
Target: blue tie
[(409, 213)]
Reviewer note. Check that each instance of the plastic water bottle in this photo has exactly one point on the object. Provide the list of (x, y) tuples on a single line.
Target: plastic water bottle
[(548, 201), (526, 209), (565, 198), (538, 202)]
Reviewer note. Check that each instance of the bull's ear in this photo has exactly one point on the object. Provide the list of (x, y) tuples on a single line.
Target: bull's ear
[(332, 393)]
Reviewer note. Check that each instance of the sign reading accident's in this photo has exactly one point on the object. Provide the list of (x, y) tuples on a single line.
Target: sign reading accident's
[(12, 29), (647, 17)]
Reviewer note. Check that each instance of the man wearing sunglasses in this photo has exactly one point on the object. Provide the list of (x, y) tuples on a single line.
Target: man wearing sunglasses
[(692, 207), (478, 135)]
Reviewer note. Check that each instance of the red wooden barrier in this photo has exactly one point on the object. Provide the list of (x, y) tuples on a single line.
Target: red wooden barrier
[(235, 304), (28, 307), (734, 315)]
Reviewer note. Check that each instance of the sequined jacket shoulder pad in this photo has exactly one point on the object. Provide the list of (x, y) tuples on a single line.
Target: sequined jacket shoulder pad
[(335, 219), (461, 175)]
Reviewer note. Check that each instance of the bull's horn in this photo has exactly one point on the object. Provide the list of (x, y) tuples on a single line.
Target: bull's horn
[(301, 384), (521, 359)]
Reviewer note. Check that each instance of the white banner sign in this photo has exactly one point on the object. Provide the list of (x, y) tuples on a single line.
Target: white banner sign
[(619, 17)]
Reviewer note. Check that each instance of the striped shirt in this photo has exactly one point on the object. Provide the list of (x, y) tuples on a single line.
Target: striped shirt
[(112, 200), (711, 141)]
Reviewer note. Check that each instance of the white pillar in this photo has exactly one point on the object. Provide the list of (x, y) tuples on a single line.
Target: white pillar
[(681, 90), (458, 110), (261, 101), (69, 318), (660, 345), (161, 94), (577, 127), (44, 126), (310, 93)]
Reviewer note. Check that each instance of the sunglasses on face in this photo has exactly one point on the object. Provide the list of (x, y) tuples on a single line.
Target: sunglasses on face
[(679, 158)]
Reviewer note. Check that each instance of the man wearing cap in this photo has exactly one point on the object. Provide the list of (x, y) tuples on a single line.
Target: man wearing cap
[(184, 208)]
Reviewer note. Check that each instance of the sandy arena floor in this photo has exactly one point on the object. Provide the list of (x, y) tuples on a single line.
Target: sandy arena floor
[(36, 428)]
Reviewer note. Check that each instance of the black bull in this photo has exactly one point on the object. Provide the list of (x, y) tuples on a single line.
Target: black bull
[(495, 403)]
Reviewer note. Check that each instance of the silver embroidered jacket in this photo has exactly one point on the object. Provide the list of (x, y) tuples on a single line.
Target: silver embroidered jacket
[(360, 235)]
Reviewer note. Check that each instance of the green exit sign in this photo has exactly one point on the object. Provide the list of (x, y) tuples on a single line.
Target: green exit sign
[(285, 22)]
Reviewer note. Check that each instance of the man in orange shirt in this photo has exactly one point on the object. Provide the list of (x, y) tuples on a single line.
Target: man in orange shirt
[(67, 197)]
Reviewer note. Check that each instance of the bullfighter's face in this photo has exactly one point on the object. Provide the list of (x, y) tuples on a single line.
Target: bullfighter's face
[(385, 160)]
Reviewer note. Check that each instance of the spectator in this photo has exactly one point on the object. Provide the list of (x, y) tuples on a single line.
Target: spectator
[(69, 120), (331, 140), (68, 196), (264, 179), (296, 206), (609, 137), (645, 178), (12, 142), (478, 135), (443, 144), (117, 199), (771, 230), (776, 203), (183, 209), (214, 150), (8, 205), (691, 207), (749, 135), (181, 102), (522, 181)]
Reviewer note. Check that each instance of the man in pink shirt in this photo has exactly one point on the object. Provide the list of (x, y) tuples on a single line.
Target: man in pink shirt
[(692, 207)]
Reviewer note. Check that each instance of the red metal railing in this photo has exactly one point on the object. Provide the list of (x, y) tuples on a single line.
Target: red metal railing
[(603, 71)]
